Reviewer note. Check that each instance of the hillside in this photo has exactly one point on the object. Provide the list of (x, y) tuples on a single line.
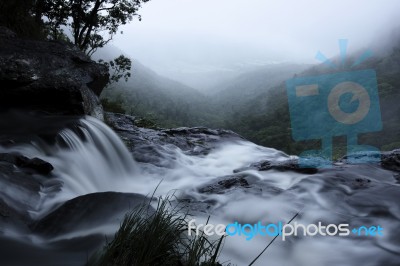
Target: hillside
[(254, 104), (166, 102), (237, 92), (170, 103), (272, 127)]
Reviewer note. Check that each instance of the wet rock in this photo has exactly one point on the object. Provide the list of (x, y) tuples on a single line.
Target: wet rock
[(88, 212), (193, 206), (356, 182), (51, 77), (24, 127), (287, 165), (361, 182), (391, 160), (19, 195), (36, 164), (238, 183), (39, 165), (361, 157), (73, 251), (203, 199), (5, 210), (227, 183), (397, 177), (156, 145)]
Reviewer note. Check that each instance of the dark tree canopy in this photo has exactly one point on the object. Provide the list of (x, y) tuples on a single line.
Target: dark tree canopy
[(89, 24), (93, 23), (18, 15)]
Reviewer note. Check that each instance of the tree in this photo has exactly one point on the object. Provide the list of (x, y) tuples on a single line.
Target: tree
[(56, 13), (17, 16), (119, 67), (93, 24)]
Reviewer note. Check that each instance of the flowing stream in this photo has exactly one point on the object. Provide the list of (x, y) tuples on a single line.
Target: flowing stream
[(92, 158)]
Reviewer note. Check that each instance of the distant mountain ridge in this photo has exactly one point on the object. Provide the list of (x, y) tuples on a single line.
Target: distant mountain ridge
[(172, 103), (253, 104)]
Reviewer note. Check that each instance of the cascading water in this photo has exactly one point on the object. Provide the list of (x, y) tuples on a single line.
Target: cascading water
[(90, 157)]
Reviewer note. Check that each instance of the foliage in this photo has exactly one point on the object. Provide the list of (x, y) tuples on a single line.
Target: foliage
[(157, 237), (111, 106), (120, 68), (93, 23), (146, 123), (168, 103), (391, 146), (19, 16)]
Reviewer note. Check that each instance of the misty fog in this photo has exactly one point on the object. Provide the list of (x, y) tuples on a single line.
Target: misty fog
[(203, 43)]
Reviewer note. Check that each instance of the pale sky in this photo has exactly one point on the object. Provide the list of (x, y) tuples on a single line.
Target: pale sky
[(202, 35)]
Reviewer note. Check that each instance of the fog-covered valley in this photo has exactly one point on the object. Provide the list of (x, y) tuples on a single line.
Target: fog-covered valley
[(252, 102)]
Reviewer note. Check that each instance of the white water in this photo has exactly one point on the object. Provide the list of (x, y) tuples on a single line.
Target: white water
[(96, 160)]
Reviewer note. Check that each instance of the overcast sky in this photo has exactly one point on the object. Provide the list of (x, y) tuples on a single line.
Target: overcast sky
[(194, 35)]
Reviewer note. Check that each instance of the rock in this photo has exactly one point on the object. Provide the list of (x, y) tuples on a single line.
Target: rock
[(222, 186), (397, 178), (155, 145), (391, 160), (74, 251), (24, 127), (42, 167), (39, 165), (50, 77), (5, 210), (6, 33), (88, 212), (21, 191), (361, 183), (19, 196), (361, 157), (237, 184), (287, 165)]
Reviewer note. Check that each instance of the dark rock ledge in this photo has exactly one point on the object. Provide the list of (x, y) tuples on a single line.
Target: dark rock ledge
[(50, 77)]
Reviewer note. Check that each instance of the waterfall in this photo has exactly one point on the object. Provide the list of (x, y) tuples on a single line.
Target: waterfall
[(89, 157), (94, 160)]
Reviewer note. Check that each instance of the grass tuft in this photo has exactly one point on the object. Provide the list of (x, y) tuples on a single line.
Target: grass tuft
[(158, 237)]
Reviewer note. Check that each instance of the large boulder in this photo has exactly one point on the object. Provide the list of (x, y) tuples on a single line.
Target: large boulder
[(90, 212), (50, 77)]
